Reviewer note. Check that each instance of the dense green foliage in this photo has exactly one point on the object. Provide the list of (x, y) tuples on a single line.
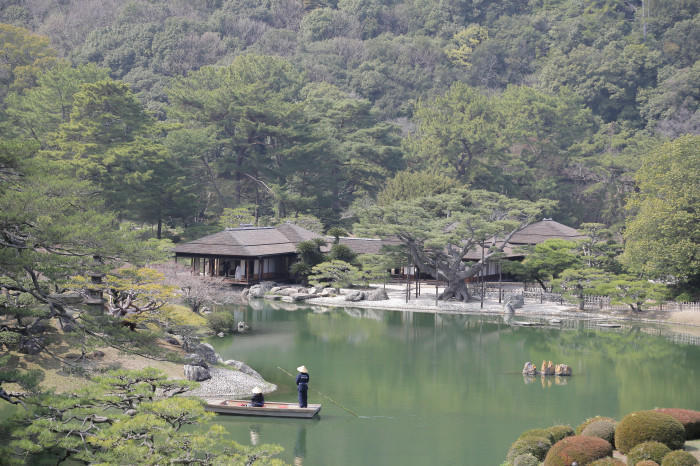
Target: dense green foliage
[(536, 446), (123, 417), (601, 429), (186, 115), (679, 458), (585, 423), (643, 426), (583, 450), (654, 451)]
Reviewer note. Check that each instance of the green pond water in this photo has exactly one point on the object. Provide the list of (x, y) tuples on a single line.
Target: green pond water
[(444, 389)]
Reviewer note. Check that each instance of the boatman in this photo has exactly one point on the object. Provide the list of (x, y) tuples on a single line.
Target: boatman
[(302, 385), (258, 399)]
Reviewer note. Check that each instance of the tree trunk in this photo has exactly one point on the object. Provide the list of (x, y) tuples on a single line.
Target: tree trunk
[(160, 228), (456, 289)]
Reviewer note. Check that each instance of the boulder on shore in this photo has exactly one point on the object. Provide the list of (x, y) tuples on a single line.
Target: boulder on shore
[(243, 367), (355, 296), (207, 352), (196, 373), (377, 295)]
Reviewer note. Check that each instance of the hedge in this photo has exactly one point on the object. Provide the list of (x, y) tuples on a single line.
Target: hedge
[(585, 423), (560, 432), (643, 426), (583, 450), (654, 451), (646, 463), (689, 418), (601, 429), (607, 461), (679, 458), (526, 459), (537, 446), (538, 433)]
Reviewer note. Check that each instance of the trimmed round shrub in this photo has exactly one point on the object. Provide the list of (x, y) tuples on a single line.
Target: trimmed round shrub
[(527, 459), (654, 451), (679, 458), (601, 429), (537, 446), (560, 432), (689, 418), (221, 322), (538, 433), (646, 463), (643, 426), (583, 450), (585, 423), (607, 461)]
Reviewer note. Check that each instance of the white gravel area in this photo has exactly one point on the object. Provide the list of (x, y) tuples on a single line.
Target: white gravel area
[(227, 383), (426, 303)]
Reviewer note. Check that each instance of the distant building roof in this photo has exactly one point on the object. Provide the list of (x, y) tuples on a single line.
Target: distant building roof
[(532, 234), (249, 241)]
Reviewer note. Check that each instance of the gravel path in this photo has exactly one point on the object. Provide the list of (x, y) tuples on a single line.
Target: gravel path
[(227, 383)]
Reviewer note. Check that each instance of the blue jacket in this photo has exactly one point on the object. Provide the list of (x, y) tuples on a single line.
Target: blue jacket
[(302, 381)]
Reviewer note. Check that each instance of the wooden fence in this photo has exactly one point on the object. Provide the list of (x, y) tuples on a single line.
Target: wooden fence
[(535, 294)]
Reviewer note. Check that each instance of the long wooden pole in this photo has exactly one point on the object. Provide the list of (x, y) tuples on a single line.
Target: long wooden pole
[(324, 395)]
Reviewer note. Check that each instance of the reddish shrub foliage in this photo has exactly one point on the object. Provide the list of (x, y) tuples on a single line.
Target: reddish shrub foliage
[(583, 450), (689, 418)]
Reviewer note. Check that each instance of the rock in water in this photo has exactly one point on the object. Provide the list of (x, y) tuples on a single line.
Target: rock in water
[(562, 369), (547, 368), (196, 373), (529, 369)]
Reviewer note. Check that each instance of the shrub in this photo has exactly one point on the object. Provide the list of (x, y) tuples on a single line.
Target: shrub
[(583, 450), (526, 459), (646, 463), (607, 461), (654, 451), (643, 426), (689, 418), (560, 432), (601, 429), (537, 446), (679, 458), (585, 423), (538, 433), (221, 322)]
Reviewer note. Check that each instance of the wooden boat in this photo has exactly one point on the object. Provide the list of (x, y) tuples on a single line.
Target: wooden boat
[(271, 409)]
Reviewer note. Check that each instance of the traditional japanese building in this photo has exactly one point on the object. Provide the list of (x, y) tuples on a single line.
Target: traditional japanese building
[(531, 235), (246, 254), (249, 254)]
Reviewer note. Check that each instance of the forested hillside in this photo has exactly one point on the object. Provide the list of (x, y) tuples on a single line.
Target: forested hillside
[(197, 114)]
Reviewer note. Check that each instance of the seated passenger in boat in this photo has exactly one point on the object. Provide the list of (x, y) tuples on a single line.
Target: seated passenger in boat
[(258, 399)]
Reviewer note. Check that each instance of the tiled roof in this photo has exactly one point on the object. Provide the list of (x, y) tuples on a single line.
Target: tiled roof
[(532, 234), (363, 245), (249, 241)]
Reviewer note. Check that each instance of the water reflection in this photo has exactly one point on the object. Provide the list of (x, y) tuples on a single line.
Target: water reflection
[(441, 388), (300, 446), (254, 434)]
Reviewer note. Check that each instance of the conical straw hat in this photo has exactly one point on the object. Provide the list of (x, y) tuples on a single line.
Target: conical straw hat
[(303, 369), (257, 390)]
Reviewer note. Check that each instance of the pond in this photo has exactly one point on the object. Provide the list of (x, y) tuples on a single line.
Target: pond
[(420, 388)]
